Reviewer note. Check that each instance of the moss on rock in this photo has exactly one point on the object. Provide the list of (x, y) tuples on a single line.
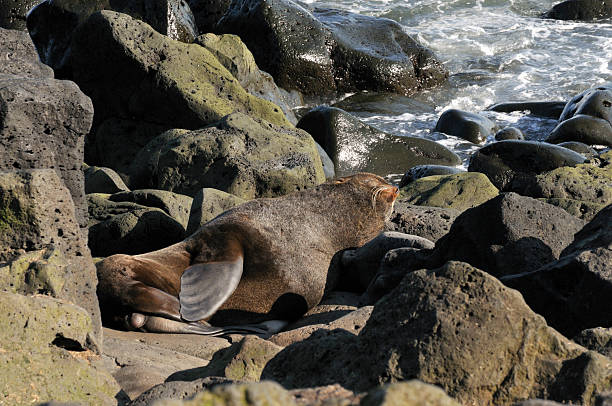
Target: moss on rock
[(460, 191), (44, 351)]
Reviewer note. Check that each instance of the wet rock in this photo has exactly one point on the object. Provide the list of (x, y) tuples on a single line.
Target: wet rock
[(508, 164), (234, 55), (586, 118), (509, 133), (156, 80), (361, 264), (178, 390), (208, 12), (382, 103), (410, 393), (103, 180), (327, 55), (537, 402), (20, 57), (240, 155), (463, 124), (596, 339), (328, 165), (583, 128), (46, 346), (207, 204), (129, 228), (547, 109), (581, 191), (580, 10), (248, 394), (174, 205), (460, 191), (508, 234), (573, 292), (427, 222), (52, 24), (355, 146), (44, 123), (13, 13), (580, 148), (42, 248), (415, 331), (116, 143), (421, 171)]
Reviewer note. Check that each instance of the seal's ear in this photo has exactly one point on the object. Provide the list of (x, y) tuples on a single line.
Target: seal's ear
[(206, 286)]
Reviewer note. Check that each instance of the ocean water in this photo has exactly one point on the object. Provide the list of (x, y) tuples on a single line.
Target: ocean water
[(496, 51)]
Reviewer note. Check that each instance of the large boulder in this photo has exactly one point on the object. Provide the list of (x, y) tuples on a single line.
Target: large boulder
[(20, 56), (361, 264), (460, 191), (207, 204), (427, 222), (508, 234), (581, 10), (547, 109), (46, 346), (42, 249), (355, 146), (52, 24), (332, 51), (44, 121), (472, 127), (456, 327), (586, 118), (116, 142), (156, 80), (573, 293), (234, 55), (582, 190), (421, 171), (173, 204), (129, 228), (508, 164), (103, 180), (240, 155)]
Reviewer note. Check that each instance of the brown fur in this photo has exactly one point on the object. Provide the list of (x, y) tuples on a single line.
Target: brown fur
[(287, 244)]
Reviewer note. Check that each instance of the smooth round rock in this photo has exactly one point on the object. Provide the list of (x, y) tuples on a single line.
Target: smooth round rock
[(505, 162), (509, 133), (582, 128), (463, 124), (354, 146), (585, 10), (548, 109)]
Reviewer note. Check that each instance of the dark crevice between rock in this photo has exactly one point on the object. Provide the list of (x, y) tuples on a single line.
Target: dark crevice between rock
[(67, 343)]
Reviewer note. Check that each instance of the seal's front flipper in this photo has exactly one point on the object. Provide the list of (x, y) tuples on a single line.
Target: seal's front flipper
[(205, 287)]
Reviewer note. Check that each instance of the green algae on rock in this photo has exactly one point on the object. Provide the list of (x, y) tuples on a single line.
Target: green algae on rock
[(460, 191), (240, 155), (43, 346), (131, 71)]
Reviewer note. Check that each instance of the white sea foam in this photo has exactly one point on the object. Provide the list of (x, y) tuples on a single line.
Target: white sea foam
[(496, 51)]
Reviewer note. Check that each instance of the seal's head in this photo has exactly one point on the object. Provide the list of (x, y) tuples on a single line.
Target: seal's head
[(381, 195)]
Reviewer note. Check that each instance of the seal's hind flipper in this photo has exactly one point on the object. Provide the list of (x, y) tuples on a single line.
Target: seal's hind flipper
[(205, 287)]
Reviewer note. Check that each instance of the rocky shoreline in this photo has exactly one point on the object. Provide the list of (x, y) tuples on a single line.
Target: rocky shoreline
[(125, 126)]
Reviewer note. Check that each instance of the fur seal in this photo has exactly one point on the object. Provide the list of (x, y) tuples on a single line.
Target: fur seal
[(266, 259)]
